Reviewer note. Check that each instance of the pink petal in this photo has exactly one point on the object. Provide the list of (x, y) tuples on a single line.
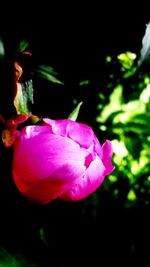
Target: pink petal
[(107, 154), (87, 183), (59, 127), (82, 134), (46, 159), (32, 131), (97, 146), (41, 191), (79, 132), (46, 154)]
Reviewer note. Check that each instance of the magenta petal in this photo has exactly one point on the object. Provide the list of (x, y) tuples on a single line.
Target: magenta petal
[(41, 191), (97, 146), (87, 183), (46, 159), (107, 154), (32, 131), (59, 127), (61, 159), (80, 133)]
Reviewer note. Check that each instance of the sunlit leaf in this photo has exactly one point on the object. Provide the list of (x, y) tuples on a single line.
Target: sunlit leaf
[(131, 195), (127, 59), (129, 73), (145, 95), (74, 114), (114, 105), (108, 59), (112, 178), (125, 115)]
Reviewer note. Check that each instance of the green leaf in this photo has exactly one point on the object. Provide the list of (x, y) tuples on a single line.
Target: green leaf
[(142, 118), (2, 51), (133, 144), (74, 114), (42, 236), (137, 128), (131, 195), (2, 54), (47, 73), (23, 45), (9, 259), (24, 98), (130, 72)]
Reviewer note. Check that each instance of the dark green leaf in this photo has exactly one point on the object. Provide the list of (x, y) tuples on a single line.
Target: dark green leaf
[(133, 144), (2, 51), (47, 73), (23, 45)]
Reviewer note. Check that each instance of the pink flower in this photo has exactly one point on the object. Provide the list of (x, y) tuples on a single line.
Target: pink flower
[(60, 159)]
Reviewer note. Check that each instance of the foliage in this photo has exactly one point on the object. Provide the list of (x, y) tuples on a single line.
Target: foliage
[(125, 115), (9, 260)]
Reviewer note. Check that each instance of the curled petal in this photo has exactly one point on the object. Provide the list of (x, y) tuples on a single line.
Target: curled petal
[(87, 183), (107, 154), (80, 133), (97, 146), (59, 127)]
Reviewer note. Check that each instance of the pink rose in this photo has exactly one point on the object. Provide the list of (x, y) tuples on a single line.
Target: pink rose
[(60, 159)]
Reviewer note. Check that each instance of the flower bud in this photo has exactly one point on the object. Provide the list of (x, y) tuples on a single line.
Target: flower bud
[(59, 159)]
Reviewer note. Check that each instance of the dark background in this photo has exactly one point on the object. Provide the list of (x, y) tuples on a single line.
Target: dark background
[(74, 40)]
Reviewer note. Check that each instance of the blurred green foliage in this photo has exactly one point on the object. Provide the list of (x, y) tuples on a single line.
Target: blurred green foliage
[(9, 260), (124, 115)]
